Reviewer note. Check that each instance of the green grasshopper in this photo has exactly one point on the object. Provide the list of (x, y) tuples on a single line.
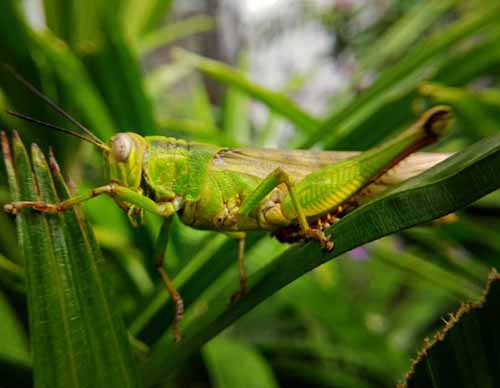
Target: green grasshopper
[(293, 194)]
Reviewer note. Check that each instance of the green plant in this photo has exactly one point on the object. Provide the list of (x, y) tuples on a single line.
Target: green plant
[(350, 322)]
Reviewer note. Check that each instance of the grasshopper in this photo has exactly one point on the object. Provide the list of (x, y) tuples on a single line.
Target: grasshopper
[(293, 194)]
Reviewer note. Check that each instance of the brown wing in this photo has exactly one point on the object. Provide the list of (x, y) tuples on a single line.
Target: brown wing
[(407, 168), (260, 162)]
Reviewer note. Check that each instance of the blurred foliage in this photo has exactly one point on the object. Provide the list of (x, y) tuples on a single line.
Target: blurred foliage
[(352, 322)]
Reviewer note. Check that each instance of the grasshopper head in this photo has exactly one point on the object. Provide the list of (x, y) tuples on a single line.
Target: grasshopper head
[(125, 159)]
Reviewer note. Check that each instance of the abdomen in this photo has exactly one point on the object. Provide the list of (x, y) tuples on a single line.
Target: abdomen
[(219, 202)]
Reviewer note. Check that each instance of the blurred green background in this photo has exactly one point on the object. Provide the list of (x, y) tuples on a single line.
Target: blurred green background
[(283, 73)]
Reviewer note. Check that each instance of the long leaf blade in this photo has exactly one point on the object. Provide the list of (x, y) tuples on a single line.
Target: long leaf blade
[(77, 338), (468, 345)]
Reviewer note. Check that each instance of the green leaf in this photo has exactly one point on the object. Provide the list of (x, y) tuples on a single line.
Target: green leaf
[(278, 102), (339, 128), (77, 21), (174, 31), (14, 344), (78, 338), (465, 353), (201, 109), (77, 84), (404, 32), (142, 16), (233, 364), (235, 116), (11, 275), (116, 70), (450, 185), (427, 271)]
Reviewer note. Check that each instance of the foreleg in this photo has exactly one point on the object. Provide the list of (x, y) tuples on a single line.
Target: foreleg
[(114, 190)]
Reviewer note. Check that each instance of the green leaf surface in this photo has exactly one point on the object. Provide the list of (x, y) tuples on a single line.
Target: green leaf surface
[(14, 344), (78, 339), (449, 186), (78, 84), (117, 72), (465, 353), (232, 364), (174, 31), (142, 16), (404, 32), (235, 116)]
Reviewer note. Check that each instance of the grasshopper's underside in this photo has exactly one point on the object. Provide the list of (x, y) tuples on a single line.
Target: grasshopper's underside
[(294, 194)]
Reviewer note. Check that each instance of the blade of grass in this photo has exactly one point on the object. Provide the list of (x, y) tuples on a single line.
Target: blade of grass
[(201, 109), (404, 32), (174, 31), (78, 85), (322, 375), (14, 344), (117, 72), (76, 22), (469, 63), (51, 336), (335, 131), (278, 102), (108, 339), (235, 115), (143, 16), (76, 336), (416, 266), (224, 359), (12, 276)]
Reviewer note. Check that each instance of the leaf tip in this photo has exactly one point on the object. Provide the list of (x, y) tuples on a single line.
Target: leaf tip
[(37, 156), (17, 143), (54, 166), (5, 146)]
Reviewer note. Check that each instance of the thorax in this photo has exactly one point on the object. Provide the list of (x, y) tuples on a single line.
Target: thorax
[(176, 168)]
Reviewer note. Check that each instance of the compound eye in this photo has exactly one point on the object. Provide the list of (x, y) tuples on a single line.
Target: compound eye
[(122, 144)]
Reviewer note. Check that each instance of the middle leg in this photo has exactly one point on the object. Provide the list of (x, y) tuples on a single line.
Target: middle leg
[(240, 237), (161, 247)]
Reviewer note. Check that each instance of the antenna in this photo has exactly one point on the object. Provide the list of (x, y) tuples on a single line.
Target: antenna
[(57, 128), (51, 103)]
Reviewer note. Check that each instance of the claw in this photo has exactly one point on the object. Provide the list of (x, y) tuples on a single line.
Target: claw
[(237, 295), (324, 240)]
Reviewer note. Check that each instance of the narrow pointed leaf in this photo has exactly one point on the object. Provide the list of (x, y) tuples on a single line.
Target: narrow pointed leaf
[(77, 338), (224, 359), (278, 102), (465, 353)]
